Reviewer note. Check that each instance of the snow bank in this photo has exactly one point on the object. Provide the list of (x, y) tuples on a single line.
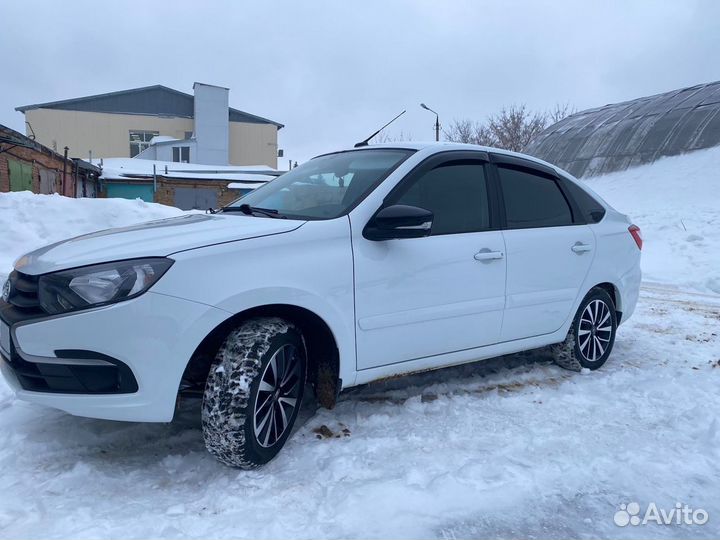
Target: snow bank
[(29, 221), (676, 203)]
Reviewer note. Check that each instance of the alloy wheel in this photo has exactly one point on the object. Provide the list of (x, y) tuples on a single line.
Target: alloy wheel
[(277, 396), (595, 330)]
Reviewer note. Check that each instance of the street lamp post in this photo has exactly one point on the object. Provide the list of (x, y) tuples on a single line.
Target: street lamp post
[(437, 121)]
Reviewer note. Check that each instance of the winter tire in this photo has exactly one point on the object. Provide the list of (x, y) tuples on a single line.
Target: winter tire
[(253, 392), (592, 333)]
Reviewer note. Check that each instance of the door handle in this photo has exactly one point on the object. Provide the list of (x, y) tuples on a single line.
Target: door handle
[(579, 247), (487, 255)]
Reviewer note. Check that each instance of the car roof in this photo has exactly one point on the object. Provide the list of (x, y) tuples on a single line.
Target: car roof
[(444, 146)]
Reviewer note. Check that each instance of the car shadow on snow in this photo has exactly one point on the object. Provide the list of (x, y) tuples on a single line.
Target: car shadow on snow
[(499, 374)]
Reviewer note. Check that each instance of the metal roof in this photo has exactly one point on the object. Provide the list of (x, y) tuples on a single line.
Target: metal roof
[(157, 100), (622, 135)]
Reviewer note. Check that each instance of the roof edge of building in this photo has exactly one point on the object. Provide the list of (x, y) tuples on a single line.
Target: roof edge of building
[(84, 99)]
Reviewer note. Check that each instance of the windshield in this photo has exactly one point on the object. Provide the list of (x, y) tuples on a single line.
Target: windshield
[(325, 187)]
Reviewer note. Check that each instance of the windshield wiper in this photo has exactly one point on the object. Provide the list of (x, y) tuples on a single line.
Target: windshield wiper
[(251, 210)]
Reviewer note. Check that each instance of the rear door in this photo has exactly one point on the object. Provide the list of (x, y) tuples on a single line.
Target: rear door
[(421, 297), (549, 249)]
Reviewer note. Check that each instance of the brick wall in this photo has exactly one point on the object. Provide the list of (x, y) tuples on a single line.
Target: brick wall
[(44, 158), (4, 173), (165, 193)]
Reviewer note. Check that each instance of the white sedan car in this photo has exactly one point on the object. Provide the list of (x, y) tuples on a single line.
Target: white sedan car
[(358, 265)]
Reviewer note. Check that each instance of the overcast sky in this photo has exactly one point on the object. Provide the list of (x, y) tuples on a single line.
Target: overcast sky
[(334, 72)]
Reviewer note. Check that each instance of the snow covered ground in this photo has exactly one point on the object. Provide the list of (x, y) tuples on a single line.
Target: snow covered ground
[(676, 203), (513, 447)]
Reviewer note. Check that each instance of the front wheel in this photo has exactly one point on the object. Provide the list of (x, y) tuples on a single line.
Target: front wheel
[(253, 392), (592, 333)]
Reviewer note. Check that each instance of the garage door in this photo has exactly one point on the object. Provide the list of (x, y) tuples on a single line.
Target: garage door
[(195, 198), (20, 175), (131, 191), (47, 181)]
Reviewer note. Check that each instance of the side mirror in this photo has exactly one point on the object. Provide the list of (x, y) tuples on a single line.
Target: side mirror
[(399, 221)]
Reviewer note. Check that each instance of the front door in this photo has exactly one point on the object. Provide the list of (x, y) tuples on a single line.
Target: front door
[(428, 296), (548, 253)]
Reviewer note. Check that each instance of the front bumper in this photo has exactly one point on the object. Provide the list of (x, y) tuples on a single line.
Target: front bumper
[(91, 373), (128, 357)]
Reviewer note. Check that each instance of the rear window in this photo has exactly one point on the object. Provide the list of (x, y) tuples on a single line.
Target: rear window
[(591, 209), (532, 200)]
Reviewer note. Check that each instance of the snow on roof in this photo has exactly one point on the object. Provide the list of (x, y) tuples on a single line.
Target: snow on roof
[(245, 185), (162, 138), (124, 168)]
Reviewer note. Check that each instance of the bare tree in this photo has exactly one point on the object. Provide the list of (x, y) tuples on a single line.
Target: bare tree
[(559, 112), (515, 126), (383, 137), (460, 131), (511, 129), (466, 131)]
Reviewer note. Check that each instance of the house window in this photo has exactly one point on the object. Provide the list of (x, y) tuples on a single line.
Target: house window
[(140, 140), (181, 154)]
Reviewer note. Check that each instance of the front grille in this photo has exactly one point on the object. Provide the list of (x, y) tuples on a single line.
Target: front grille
[(24, 293)]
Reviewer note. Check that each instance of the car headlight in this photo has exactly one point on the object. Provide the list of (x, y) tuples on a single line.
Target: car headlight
[(99, 284)]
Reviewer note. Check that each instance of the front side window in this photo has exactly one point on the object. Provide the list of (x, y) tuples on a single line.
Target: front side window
[(328, 186), (456, 194), (140, 140), (532, 200)]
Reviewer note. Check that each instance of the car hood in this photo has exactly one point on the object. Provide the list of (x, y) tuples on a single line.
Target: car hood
[(152, 239)]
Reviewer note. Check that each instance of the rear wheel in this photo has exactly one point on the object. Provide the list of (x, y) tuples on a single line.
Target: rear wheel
[(592, 334), (253, 393)]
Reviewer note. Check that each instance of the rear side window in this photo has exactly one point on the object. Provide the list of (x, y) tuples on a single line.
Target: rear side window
[(455, 192), (532, 200), (591, 209)]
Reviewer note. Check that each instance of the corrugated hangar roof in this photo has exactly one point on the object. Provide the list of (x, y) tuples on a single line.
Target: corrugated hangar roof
[(622, 135)]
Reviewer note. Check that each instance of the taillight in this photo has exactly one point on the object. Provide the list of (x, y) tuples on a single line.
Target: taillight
[(637, 236)]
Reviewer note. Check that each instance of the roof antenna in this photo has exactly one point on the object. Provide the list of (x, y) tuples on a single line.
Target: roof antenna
[(365, 142)]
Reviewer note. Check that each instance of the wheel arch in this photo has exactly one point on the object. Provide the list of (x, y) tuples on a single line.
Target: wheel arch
[(614, 293), (321, 342)]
